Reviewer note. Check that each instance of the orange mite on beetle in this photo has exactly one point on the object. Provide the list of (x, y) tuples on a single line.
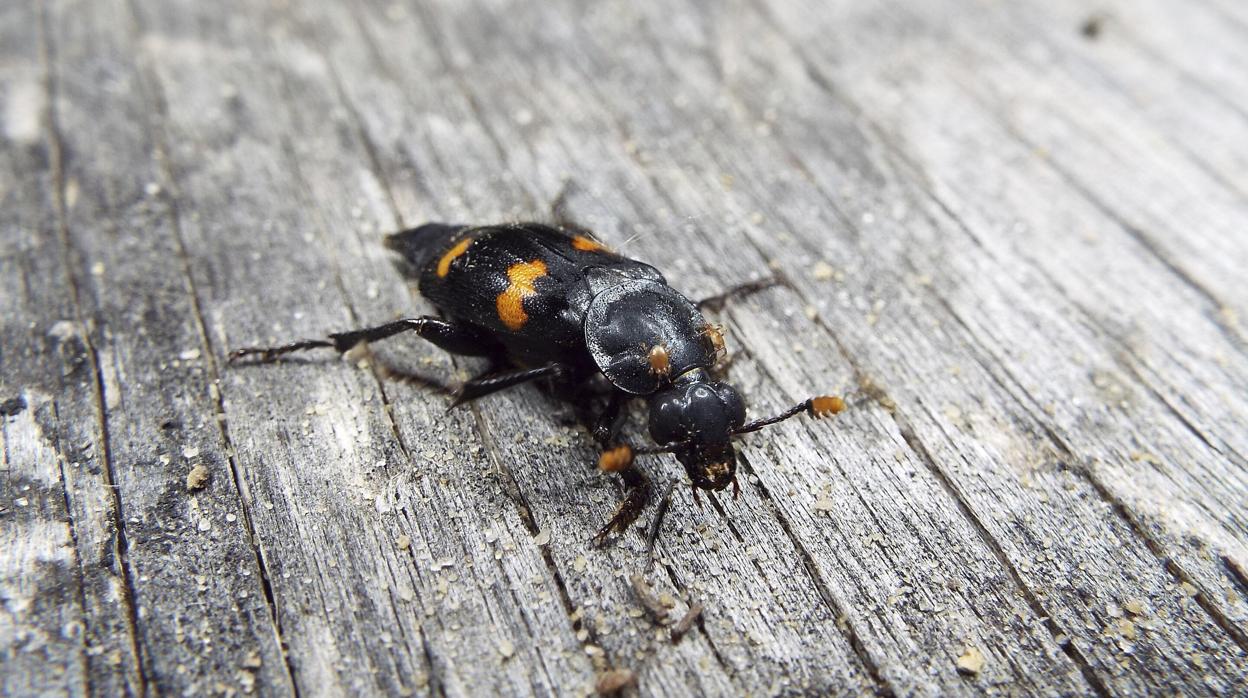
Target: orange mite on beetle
[(552, 304)]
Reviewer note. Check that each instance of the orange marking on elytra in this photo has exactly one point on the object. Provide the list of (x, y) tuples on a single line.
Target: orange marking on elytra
[(511, 301), (444, 264), (586, 244)]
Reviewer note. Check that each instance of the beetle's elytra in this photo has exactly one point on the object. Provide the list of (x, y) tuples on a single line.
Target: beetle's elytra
[(552, 303)]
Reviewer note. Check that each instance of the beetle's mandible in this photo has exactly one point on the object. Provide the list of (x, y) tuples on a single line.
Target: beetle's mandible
[(545, 302)]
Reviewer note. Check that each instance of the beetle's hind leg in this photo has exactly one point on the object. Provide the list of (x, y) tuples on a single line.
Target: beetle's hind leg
[(453, 337)]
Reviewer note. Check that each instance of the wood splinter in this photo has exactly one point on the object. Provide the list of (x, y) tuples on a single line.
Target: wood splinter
[(685, 624), (645, 594)]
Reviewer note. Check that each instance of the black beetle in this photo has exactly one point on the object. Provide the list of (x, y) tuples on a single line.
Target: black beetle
[(551, 302)]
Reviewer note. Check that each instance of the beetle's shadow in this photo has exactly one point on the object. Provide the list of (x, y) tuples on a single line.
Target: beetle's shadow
[(385, 371), (388, 372)]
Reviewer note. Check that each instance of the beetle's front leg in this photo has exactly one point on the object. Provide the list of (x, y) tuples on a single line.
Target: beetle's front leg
[(636, 494), (607, 425)]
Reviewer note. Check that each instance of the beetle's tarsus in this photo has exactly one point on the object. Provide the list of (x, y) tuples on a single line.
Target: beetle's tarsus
[(636, 494), (607, 424), (270, 354)]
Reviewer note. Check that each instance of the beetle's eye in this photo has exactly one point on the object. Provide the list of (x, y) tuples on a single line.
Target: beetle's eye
[(666, 419), (665, 424), (733, 403)]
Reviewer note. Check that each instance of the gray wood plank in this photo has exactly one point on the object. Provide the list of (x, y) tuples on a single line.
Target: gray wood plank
[(66, 624), (1138, 82), (200, 615), (1149, 568), (1013, 247), (969, 302), (1176, 350), (1204, 41)]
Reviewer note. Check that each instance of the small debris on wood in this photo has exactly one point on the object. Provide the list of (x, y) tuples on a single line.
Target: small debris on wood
[(197, 478), (656, 608), (823, 271), (971, 662), (1135, 607), (614, 681), (543, 536), (1092, 27), (404, 542), (246, 681), (12, 406), (253, 660), (1125, 628), (506, 648), (685, 624)]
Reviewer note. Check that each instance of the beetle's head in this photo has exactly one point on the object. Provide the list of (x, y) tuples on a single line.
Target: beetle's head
[(698, 418)]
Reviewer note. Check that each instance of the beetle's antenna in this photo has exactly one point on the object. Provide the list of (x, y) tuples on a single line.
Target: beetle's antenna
[(821, 406)]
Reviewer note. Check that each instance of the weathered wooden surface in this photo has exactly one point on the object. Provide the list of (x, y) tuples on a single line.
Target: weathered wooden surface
[(1013, 234)]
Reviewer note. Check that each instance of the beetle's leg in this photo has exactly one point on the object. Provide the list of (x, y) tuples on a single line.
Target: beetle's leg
[(717, 302), (487, 383), (636, 494), (607, 424), (455, 338)]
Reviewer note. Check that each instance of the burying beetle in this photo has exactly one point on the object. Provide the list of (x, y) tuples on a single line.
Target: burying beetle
[(553, 303)]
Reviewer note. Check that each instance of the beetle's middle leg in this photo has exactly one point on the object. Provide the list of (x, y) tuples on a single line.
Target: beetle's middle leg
[(488, 382), (453, 337)]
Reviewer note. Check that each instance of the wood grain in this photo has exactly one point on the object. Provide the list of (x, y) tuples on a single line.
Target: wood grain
[(1015, 245)]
